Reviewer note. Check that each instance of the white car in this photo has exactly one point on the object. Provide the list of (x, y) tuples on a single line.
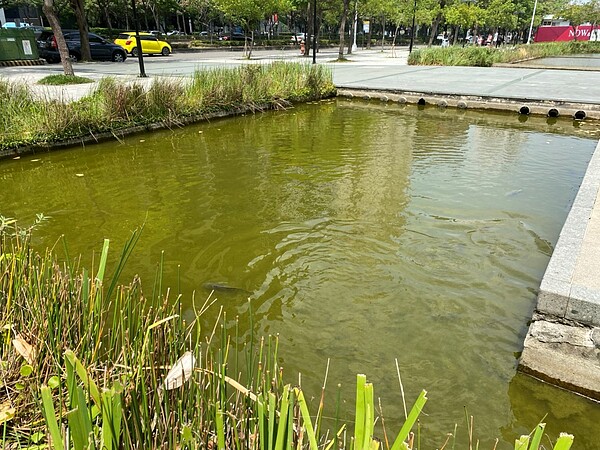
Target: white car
[(15, 25), (298, 37)]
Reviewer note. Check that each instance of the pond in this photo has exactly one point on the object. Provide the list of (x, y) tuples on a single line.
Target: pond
[(362, 233)]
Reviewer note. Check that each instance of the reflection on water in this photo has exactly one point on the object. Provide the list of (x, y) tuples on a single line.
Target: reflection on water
[(361, 232)]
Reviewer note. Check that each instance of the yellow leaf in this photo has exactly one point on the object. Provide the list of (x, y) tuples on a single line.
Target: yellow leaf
[(24, 349)]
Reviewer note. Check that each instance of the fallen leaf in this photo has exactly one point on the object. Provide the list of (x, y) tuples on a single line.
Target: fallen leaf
[(180, 372), (17, 157), (200, 131), (6, 412), (24, 349), (142, 140), (78, 174), (34, 160)]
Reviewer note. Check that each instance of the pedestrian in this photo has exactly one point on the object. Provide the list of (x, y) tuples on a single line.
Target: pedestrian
[(445, 40), (469, 37)]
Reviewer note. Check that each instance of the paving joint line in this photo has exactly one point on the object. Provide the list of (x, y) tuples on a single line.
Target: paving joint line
[(502, 86)]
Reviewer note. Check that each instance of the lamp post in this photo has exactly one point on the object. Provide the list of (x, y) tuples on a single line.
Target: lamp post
[(412, 30), (531, 25), (138, 41), (354, 48)]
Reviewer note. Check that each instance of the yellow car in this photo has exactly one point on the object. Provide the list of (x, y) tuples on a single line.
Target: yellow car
[(150, 44)]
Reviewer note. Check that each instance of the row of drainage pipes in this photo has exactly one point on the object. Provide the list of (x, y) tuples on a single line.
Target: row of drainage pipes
[(553, 112), (525, 110)]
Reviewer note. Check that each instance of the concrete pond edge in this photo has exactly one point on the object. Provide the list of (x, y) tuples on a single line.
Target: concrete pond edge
[(547, 108), (562, 345)]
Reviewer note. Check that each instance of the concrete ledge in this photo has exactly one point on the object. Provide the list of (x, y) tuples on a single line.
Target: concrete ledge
[(562, 345), (565, 355), (535, 107)]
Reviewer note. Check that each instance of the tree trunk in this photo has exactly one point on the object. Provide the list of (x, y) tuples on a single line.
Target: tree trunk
[(394, 40), (108, 21), (251, 44), (343, 29), (369, 35), (352, 31), (82, 25), (455, 38), (156, 21), (48, 9), (382, 32), (434, 29), (310, 29)]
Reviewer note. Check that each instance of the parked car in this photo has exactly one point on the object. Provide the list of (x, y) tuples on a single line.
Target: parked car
[(175, 33), (150, 44), (100, 48), (16, 25), (234, 37), (298, 37)]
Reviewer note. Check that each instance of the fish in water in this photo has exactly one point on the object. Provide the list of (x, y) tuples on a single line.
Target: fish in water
[(513, 193), (224, 287)]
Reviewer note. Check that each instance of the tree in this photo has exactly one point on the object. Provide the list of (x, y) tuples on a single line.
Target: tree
[(465, 15), (82, 25), (63, 50), (580, 13), (343, 28), (247, 13), (501, 14)]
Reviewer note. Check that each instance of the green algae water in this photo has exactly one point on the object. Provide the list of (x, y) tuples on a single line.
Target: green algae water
[(359, 232)]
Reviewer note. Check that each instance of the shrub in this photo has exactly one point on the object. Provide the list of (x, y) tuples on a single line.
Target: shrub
[(487, 56)]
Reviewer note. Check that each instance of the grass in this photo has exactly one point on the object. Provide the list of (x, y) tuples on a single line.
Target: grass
[(115, 105), (88, 363), (58, 80), (487, 56)]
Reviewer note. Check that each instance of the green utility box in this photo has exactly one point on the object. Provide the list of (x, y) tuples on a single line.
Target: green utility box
[(17, 44)]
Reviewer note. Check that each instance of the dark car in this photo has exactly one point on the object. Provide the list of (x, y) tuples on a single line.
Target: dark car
[(235, 36), (100, 48)]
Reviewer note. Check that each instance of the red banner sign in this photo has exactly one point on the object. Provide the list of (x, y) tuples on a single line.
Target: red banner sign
[(563, 33)]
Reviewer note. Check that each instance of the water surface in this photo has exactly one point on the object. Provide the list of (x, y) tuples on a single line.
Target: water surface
[(361, 232)]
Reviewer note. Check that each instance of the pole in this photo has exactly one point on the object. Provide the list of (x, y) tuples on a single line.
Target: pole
[(138, 41), (412, 30), (355, 25), (531, 25), (314, 31)]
